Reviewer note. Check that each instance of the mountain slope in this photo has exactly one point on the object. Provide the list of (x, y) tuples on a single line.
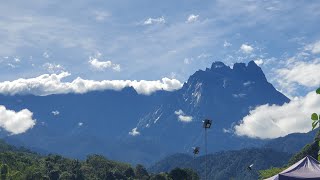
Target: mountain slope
[(225, 165), (292, 143)]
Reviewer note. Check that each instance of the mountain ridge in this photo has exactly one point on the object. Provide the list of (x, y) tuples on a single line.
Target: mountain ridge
[(125, 125)]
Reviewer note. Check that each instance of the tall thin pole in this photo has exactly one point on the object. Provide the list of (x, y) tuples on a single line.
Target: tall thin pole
[(206, 153)]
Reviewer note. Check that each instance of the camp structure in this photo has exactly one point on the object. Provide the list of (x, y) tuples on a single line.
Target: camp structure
[(306, 168)]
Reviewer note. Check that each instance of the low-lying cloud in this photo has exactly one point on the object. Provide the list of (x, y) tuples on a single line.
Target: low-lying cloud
[(272, 121), (16, 122), (47, 84)]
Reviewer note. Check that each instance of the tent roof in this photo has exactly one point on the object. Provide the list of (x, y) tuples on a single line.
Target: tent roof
[(306, 168)]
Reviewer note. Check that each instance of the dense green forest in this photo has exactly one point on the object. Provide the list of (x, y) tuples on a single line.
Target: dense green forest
[(20, 163), (226, 164)]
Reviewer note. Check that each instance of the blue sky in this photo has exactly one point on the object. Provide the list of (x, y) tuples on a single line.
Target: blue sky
[(50, 47), (67, 34), (150, 40)]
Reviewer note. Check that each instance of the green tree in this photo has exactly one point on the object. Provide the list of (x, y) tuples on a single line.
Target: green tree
[(178, 173), (54, 175), (129, 172), (141, 172), (315, 122), (4, 171)]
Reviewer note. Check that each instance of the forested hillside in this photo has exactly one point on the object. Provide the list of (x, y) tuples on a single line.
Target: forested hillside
[(19, 163), (226, 165)]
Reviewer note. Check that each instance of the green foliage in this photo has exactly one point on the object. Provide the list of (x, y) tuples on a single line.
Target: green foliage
[(4, 172), (185, 174), (314, 117), (270, 172), (141, 172), (19, 163)]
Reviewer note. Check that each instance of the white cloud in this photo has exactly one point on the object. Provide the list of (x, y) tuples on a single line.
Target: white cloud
[(182, 116), (247, 49), (101, 15), (102, 65), (186, 61), (134, 132), (53, 68), (314, 48), (259, 61), (226, 44), (248, 83), (241, 95), (16, 59), (192, 18), (16, 122), (272, 121), (47, 84), (301, 73), (150, 21), (55, 113), (46, 54), (80, 124)]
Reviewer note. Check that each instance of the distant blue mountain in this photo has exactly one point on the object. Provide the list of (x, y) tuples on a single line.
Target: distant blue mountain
[(100, 121)]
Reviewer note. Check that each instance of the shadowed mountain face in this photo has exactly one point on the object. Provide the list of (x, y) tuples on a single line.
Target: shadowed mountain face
[(100, 122)]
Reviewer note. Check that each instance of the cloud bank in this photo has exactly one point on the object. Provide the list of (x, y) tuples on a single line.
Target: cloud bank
[(272, 121), (47, 84), (16, 122)]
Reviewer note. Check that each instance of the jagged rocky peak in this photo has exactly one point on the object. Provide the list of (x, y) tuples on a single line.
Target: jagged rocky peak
[(218, 65), (218, 70), (251, 71)]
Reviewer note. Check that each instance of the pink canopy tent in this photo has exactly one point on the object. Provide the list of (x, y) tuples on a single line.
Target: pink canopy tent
[(306, 168)]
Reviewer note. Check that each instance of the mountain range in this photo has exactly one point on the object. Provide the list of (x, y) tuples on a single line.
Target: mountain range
[(135, 128)]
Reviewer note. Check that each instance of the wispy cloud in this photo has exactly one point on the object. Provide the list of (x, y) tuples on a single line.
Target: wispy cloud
[(226, 44), (192, 18), (134, 132), (150, 21), (298, 73), (53, 68), (55, 113), (101, 15), (103, 65), (247, 49), (182, 116)]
